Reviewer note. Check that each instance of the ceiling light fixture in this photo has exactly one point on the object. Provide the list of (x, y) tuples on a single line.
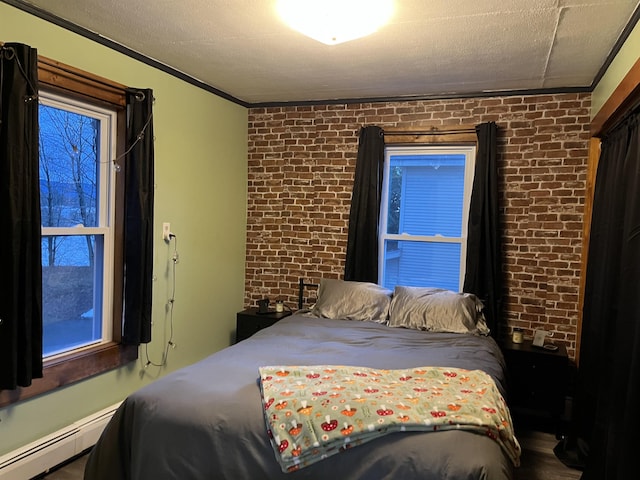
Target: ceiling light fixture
[(335, 21)]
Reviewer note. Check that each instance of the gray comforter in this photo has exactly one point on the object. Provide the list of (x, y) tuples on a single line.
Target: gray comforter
[(206, 420)]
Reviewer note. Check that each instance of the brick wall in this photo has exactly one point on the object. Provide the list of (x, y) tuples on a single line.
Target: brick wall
[(301, 167)]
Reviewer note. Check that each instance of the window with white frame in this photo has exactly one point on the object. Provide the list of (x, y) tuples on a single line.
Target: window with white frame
[(82, 210), (77, 184), (424, 215)]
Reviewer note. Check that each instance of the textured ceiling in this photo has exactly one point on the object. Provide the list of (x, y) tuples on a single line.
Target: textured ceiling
[(431, 48)]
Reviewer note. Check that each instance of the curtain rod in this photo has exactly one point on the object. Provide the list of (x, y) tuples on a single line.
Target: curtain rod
[(432, 131)]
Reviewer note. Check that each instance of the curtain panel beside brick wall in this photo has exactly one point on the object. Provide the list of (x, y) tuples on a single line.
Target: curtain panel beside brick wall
[(361, 263)]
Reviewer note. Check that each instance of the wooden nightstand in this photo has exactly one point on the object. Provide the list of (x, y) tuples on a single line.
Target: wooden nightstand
[(249, 321), (537, 381)]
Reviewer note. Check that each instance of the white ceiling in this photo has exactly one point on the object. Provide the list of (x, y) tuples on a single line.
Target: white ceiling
[(430, 49)]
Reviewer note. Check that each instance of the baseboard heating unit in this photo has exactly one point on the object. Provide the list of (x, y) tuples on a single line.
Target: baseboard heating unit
[(52, 450)]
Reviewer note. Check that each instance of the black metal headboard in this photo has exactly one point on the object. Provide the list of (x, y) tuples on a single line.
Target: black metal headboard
[(301, 287)]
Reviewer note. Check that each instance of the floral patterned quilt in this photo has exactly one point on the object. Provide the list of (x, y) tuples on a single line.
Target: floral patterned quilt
[(313, 412)]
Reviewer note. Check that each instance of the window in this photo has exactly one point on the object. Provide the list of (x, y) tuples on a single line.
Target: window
[(82, 219), (77, 183), (424, 214)]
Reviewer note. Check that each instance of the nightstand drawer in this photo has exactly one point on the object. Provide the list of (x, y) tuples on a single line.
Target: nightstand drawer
[(247, 327), (250, 321), (537, 395), (537, 378)]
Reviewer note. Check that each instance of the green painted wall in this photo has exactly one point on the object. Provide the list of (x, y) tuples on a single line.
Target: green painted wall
[(625, 59), (201, 176)]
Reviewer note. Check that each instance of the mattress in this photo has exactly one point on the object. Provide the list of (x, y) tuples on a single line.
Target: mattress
[(206, 421)]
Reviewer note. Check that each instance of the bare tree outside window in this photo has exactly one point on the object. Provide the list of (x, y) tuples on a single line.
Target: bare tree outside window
[(69, 182), (68, 170), (81, 133)]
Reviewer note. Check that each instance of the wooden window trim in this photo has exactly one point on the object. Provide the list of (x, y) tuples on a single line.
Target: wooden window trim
[(592, 169), (78, 83), (80, 365), (430, 135), (623, 99)]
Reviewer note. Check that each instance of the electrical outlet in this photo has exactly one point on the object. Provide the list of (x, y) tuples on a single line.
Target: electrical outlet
[(166, 231)]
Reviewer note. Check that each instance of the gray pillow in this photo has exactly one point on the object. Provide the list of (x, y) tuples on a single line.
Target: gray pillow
[(437, 310), (339, 299)]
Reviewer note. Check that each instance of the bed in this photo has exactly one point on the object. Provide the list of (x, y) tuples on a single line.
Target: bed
[(211, 420)]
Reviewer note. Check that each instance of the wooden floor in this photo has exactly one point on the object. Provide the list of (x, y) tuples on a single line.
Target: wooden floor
[(537, 462)]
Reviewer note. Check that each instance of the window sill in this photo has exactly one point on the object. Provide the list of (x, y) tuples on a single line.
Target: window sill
[(72, 368)]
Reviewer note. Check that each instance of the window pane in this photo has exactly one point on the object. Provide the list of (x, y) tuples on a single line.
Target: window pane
[(426, 194), (69, 148), (71, 309), (422, 264)]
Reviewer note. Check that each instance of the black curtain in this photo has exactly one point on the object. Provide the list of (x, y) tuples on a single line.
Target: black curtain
[(138, 234), (483, 274), (20, 227), (607, 402), (362, 243)]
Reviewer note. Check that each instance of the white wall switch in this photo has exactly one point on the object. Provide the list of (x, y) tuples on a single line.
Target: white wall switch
[(166, 231)]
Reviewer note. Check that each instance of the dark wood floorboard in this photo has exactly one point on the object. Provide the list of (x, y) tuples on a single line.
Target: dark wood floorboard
[(538, 461)]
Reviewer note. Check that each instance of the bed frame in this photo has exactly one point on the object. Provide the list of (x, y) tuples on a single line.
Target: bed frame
[(301, 287)]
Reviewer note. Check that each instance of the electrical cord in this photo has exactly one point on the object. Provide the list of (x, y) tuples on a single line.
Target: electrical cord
[(285, 305), (170, 303)]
